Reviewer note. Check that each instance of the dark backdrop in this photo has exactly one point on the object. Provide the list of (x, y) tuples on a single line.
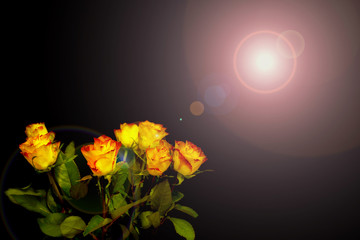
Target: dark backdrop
[(98, 65)]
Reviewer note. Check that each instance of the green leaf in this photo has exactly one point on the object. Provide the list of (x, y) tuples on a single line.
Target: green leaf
[(186, 210), (171, 208), (180, 179), (79, 190), (67, 175), (30, 199), (154, 218), (50, 225), (145, 222), (72, 226), (50, 201), (119, 179), (116, 201), (63, 179), (134, 179), (183, 228), (73, 171), (25, 191), (60, 159), (63, 158), (176, 196), (160, 197), (96, 222), (70, 150), (120, 211)]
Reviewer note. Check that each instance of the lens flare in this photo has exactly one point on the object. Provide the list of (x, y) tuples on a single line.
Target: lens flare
[(215, 95), (219, 93), (197, 108), (260, 50), (296, 40), (265, 61), (316, 113)]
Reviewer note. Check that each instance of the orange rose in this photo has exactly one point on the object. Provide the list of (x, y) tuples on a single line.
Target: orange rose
[(35, 129), (101, 156), (150, 134), (40, 151), (159, 158), (127, 134), (187, 157)]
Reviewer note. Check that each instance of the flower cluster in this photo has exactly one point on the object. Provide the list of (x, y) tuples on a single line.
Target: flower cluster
[(122, 183), (144, 138)]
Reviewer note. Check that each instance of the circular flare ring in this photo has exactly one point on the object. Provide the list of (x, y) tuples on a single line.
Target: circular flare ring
[(293, 67)]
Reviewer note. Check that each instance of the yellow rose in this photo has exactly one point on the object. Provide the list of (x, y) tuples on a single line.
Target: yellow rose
[(101, 156), (159, 158), (127, 134), (187, 157), (40, 151), (35, 129), (150, 135)]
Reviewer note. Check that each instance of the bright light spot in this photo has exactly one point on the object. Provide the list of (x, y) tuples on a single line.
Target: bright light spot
[(197, 108), (265, 61), (258, 64)]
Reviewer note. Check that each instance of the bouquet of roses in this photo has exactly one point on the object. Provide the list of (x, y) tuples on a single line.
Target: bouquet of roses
[(134, 175)]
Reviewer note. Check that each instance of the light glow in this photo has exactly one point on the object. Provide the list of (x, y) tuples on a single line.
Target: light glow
[(265, 61), (316, 113)]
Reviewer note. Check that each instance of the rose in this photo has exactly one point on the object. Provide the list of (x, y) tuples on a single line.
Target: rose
[(187, 157), (101, 156), (40, 151), (150, 134), (127, 134), (35, 129), (158, 159)]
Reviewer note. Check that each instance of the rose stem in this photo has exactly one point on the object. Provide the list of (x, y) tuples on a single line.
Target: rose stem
[(102, 192), (53, 184), (93, 236), (152, 182)]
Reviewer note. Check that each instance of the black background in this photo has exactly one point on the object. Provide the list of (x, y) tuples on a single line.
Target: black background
[(99, 65)]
